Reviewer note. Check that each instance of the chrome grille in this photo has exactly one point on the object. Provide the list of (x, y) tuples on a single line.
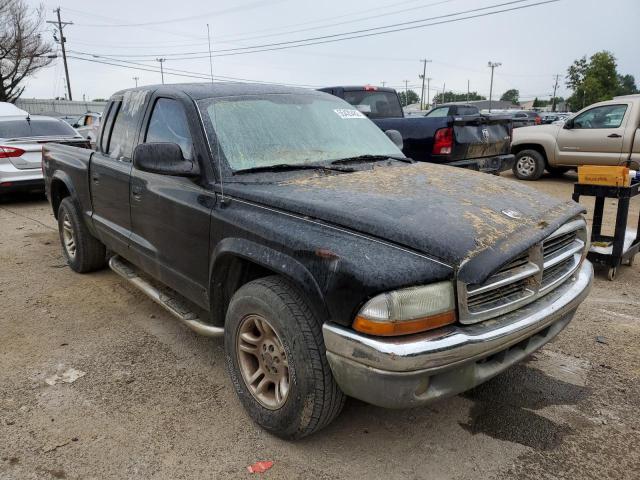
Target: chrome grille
[(527, 277)]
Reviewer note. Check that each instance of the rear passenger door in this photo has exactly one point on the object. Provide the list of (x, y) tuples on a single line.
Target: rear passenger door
[(110, 172), (170, 215)]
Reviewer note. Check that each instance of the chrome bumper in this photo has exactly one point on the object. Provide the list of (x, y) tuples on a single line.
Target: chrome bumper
[(399, 372)]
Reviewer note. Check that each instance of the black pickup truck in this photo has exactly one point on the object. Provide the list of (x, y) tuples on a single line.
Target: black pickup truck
[(285, 221), (460, 139)]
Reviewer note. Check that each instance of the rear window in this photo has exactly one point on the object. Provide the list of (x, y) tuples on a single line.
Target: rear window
[(438, 112), (375, 104), (34, 128), (468, 110)]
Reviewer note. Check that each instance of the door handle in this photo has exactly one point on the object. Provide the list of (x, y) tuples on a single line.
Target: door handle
[(136, 192), (95, 177), (614, 135)]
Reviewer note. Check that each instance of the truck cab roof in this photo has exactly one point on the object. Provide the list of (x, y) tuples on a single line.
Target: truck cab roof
[(198, 91)]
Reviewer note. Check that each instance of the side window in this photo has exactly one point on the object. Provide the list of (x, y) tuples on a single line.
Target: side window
[(106, 129), (122, 135), (439, 112), (607, 116), (168, 123)]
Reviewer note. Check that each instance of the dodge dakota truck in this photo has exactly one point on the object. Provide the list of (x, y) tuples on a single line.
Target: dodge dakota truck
[(285, 221), (604, 133), (447, 136)]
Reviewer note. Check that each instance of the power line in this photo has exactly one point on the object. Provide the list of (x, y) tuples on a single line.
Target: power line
[(368, 32), (238, 8), (186, 74)]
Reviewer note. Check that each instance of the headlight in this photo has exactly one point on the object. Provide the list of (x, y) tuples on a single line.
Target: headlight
[(406, 311)]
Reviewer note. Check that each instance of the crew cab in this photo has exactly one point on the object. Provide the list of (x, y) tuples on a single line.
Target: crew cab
[(285, 221), (605, 133), (474, 141)]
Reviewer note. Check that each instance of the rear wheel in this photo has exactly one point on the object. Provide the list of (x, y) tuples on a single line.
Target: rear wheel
[(83, 251), (529, 165), (276, 359)]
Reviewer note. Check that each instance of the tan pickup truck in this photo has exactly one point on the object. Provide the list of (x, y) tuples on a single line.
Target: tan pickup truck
[(604, 133)]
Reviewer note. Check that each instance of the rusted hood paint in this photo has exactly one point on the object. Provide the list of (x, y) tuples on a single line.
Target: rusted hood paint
[(452, 214)]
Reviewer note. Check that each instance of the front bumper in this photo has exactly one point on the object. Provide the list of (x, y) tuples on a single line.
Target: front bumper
[(497, 164), (402, 372)]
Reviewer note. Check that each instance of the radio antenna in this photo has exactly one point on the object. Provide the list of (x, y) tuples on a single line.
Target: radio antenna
[(215, 123), (210, 56)]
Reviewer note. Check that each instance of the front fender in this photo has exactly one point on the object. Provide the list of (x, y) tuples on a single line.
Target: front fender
[(270, 259), (540, 136)]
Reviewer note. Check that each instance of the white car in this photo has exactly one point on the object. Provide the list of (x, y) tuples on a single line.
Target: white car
[(21, 140)]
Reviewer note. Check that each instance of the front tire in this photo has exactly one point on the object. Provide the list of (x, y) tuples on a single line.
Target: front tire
[(84, 252), (276, 359), (529, 165)]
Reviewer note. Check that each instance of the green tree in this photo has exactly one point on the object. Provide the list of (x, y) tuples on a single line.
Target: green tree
[(597, 79), (536, 103), (511, 95), (456, 97), (409, 98)]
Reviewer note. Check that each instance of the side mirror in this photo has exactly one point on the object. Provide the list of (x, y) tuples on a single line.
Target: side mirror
[(76, 125), (396, 137), (164, 159), (568, 124)]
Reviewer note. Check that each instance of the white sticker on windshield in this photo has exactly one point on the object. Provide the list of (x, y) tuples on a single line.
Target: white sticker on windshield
[(348, 113)]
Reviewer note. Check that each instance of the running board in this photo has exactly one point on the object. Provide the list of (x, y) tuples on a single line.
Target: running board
[(172, 303)]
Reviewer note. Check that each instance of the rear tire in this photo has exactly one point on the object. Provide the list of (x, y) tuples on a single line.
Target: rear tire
[(529, 165), (270, 329), (83, 251)]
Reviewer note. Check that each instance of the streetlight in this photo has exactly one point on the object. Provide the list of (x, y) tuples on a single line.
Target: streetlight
[(492, 66)]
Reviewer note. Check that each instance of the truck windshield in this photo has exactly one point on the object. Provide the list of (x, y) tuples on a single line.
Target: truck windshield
[(293, 129), (374, 103)]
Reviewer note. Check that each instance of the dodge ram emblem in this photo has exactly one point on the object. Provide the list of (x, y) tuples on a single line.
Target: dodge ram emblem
[(515, 214), (485, 135)]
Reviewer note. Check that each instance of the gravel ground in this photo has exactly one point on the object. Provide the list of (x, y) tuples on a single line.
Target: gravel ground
[(155, 401)]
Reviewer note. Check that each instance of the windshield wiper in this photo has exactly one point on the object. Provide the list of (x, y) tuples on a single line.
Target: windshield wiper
[(281, 167), (370, 158)]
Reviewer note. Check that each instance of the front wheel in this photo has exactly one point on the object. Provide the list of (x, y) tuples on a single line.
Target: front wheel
[(276, 359), (529, 165)]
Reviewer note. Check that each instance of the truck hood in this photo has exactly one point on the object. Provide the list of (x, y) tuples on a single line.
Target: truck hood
[(473, 221), (526, 132)]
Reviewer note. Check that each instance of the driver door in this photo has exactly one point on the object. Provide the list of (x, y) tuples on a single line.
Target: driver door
[(596, 137), (170, 215)]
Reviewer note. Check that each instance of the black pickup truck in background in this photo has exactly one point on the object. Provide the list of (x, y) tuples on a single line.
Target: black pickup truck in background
[(285, 221), (475, 141)]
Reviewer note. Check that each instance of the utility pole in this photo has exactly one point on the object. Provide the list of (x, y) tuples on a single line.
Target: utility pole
[(60, 24), (383, 83), (467, 91), (492, 66), (428, 92), (553, 100), (423, 76), (444, 93), (161, 60), (406, 93), (135, 79)]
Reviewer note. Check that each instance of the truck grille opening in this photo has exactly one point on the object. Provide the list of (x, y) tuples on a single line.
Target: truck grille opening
[(526, 277)]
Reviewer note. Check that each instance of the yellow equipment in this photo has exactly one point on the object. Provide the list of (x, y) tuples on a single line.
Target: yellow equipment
[(604, 175)]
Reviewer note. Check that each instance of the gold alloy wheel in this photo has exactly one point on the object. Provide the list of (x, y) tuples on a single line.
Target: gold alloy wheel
[(263, 361), (68, 237)]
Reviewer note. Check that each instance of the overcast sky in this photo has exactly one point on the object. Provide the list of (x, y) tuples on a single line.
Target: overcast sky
[(532, 43)]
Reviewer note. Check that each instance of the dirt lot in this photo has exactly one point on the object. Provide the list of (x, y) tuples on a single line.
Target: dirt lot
[(155, 401)]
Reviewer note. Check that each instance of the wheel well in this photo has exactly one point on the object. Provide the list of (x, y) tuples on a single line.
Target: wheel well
[(231, 273), (530, 146), (59, 191)]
